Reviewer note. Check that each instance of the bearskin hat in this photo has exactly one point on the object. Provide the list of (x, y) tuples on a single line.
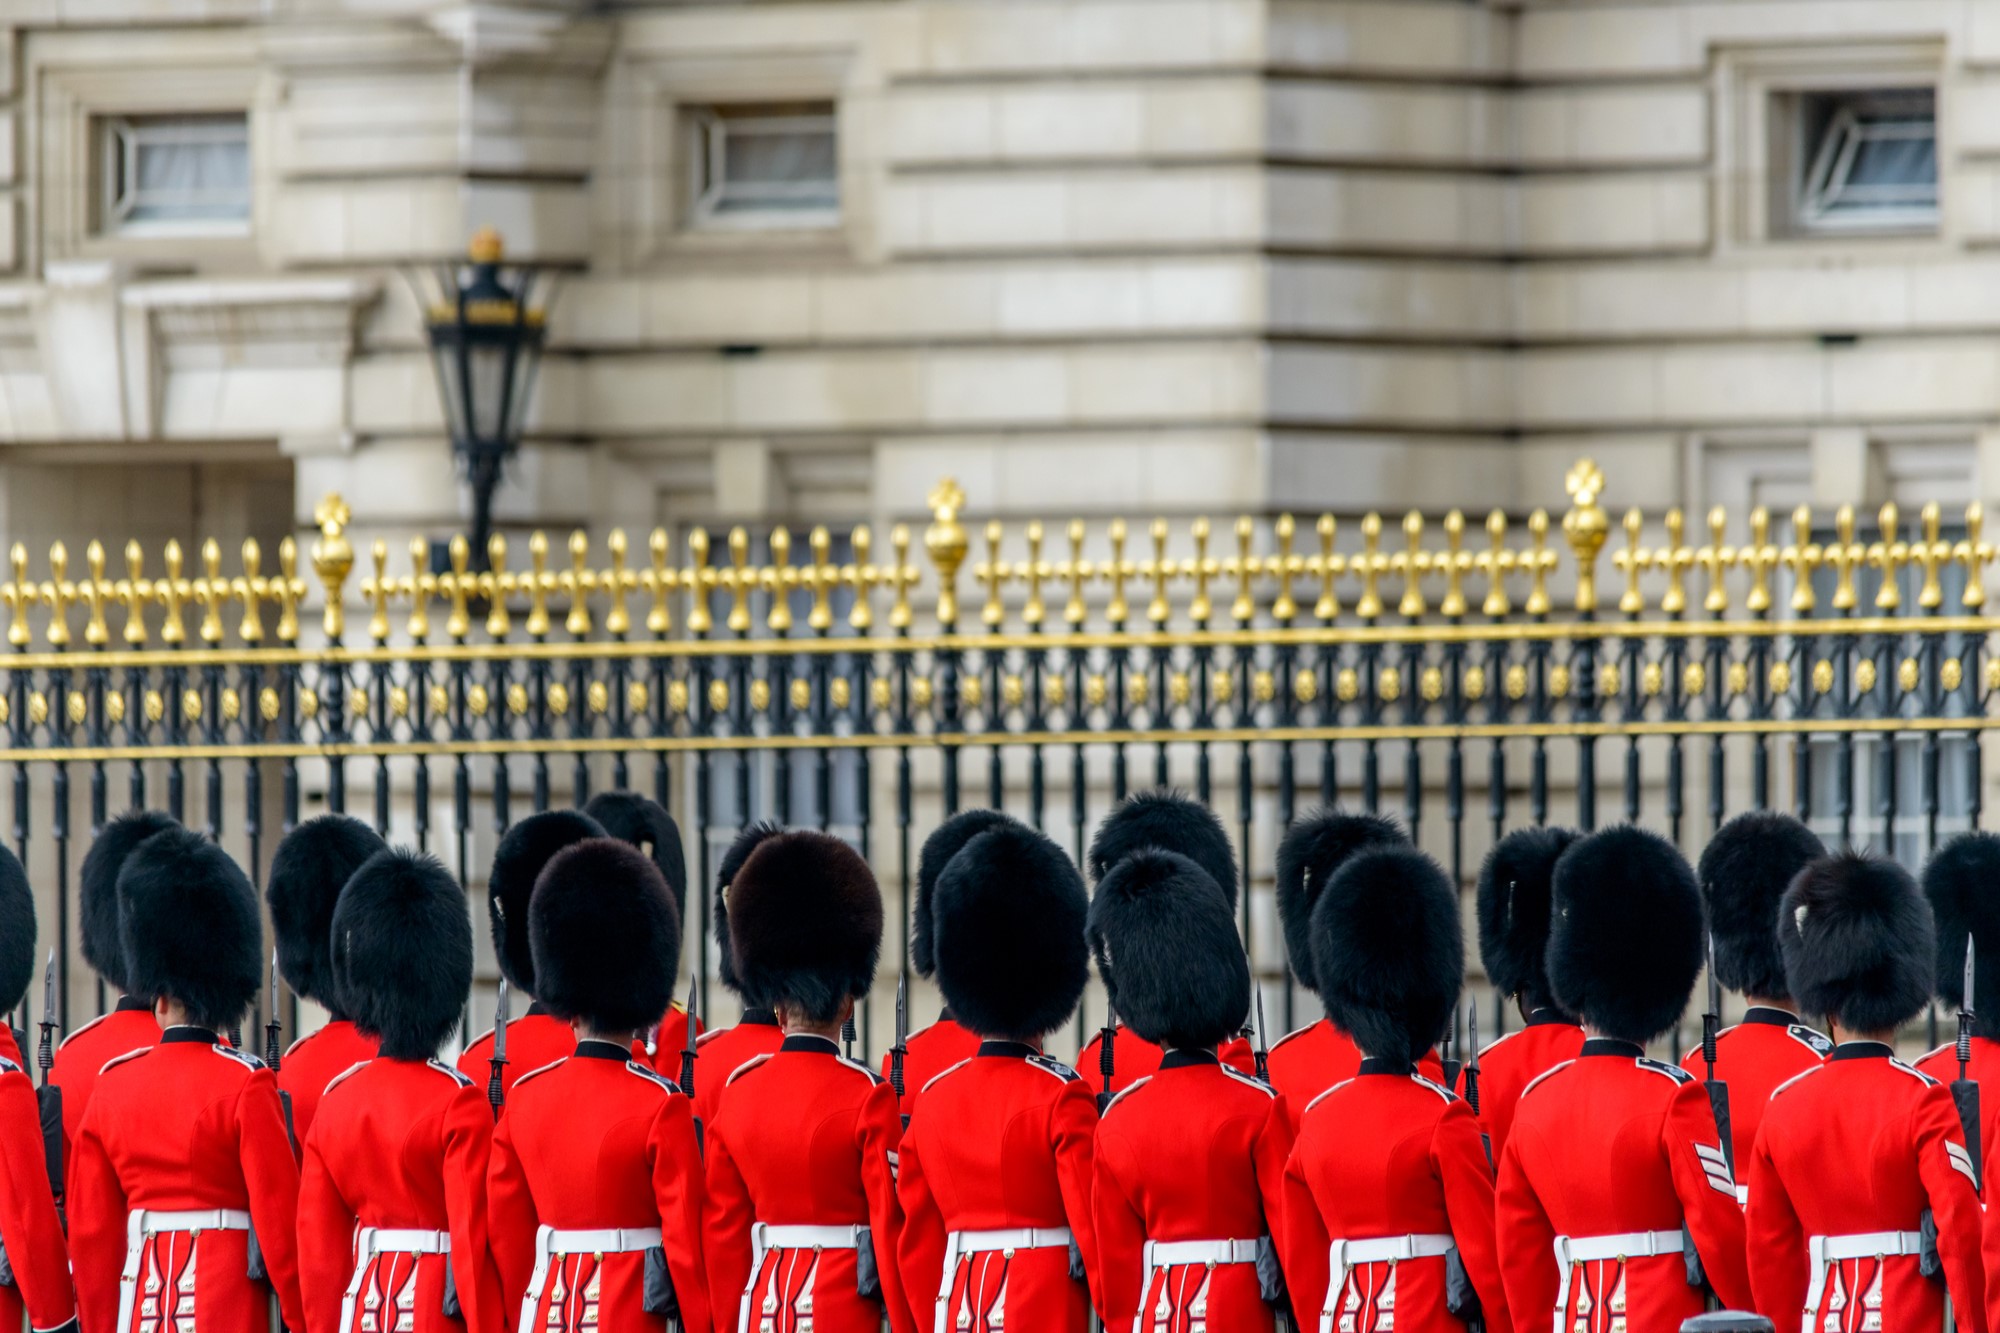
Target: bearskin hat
[(1962, 883), (603, 929), (943, 844), (1625, 945), (1858, 942), (1167, 946), (643, 822), (1171, 822), (103, 942), (732, 861), (402, 952), (17, 931), (1009, 917), (805, 922), (1513, 903), (1744, 870), (527, 847), (1388, 951), (1311, 850), (311, 866), (191, 927)]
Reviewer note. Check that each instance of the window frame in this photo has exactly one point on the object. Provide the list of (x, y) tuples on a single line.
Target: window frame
[(708, 131), (1813, 211), (121, 135)]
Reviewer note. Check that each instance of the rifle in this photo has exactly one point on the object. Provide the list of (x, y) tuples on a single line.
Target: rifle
[(1965, 1091), (687, 1060), (1105, 1058), (1448, 1050), (902, 1046), (847, 1035), (1262, 1050), (1718, 1091), (49, 1097), (1472, 1075), (496, 1091), (273, 1056)]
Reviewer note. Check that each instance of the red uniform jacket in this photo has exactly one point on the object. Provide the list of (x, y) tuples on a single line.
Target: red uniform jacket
[(1983, 1069), (399, 1145), (1134, 1058), (533, 1040), (318, 1059), (1390, 1153), (1610, 1144), (932, 1050), (1767, 1050), (1509, 1065), (186, 1126), (1863, 1144), (804, 1137), (28, 1223), (129, 1027), (1000, 1142), (1317, 1057), (723, 1051), (595, 1142), (1194, 1153)]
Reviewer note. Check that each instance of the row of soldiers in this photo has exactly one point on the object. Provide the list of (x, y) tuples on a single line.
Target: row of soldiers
[(582, 1171)]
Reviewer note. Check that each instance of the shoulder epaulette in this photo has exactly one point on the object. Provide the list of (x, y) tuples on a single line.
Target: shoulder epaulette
[(542, 1070), (298, 1042), (1299, 1032), (345, 1074), (1439, 1088), (1543, 1077), (1119, 1097), (441, 1067), (1661, 1067), (1819, 1042), (1914, 1072), (1328, 1093), (121, 1059), (1249, 1080), (651, 1075), (484, 1036), (873, 1077), (1050, 1065), (709, 1036), (949, 1069), (8, 1066), (1498, 1041), (1929, 1056), (753, 1062), (244, 1058), (1799, 1077), (80, 1031), (918, 1033)]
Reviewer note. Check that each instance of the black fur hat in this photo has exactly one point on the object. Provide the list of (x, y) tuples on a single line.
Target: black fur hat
[(1389, 952), (1744, 871), (643, 822), (311, 866), (402, 952), (1311, 850), (103, 942), (191, 926), (1858, 942), (1171, 822), (1166, 943), (943, 844), (732, 861), (1513, 902), (603, 928), (17, 931), (1962, 883), (805, 922), (1625, 945), (527, 847), (1009, 917)]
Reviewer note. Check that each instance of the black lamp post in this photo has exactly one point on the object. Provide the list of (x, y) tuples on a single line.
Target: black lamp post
[(486, 338)]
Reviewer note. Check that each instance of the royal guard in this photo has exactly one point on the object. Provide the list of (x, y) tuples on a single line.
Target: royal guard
[(997, 1162), (308, 871), (1861, 1182), (1616, 1206), (392, 1192), (130, 1024), (535, 1037), (1319, 1055), (1170, 822), (1388, 1212), (595, 1185), (1513, 903), (803, 1222), (644, 823), (720, 1052), (1962, 883), (182, 1186), (1743, 872), (38, 1288), (1190, 1159)]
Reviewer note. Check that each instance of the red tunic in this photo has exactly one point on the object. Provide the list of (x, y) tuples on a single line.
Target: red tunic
[(804, 1137), (188, 1125), (29, 1227), (129, 1027), (1386, 1154), (399, 1145), (1611, 1144), (1984, 1069), (1134, 1058), (1860, 1145), (316, 1060), (1509, 1065), (723, 1051), (932, 1050), (533, 1040), (1001, 1142), (1194, 1153), (1767, 1050), (595, 1142), (1317, 1057)]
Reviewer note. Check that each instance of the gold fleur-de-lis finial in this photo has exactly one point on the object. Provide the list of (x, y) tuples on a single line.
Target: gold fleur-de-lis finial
[(58, 591), (619, 582), (1975, 553), (1033, 571), (1889, 555), (824, 574), (1586, 525), (1329, 564), (862, 576), (1455, 562), (946, 542), (135, 590), (20, 594), (1496, 562), (97, 594), (250, 588), (420, 586), (333, 560), (540, 583), (1632, 561), (1802, 556), (376, 588), (778, 580), (577, 584), (291, 590)]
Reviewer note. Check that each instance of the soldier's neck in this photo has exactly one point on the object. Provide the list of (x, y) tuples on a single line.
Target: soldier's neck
[(171, 1013), (589, 1032), (1842, 1036), (1766, 1002)]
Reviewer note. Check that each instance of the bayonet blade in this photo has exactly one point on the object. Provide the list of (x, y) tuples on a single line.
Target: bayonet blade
[(500, 1023), (1472, 1036), (1970, 1012), (49, 989)]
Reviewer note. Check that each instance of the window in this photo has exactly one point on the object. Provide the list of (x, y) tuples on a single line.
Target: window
[(772, 165), (174, 174), (1865, 161)]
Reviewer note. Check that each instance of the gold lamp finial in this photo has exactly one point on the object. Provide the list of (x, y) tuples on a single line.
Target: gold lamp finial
[(486, 246)]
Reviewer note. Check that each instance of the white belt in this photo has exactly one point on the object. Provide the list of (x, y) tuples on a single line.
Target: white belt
[(143, 1222), (550, 1244), (1574, 1250), (1825, 1251), (1160, 1254), (1344, 1256), (372, 1241), (959, 1244), (765, 1237)]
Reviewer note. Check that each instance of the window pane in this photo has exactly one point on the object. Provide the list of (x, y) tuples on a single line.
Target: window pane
[(1867, 159), (778, 161), (177, 170)]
